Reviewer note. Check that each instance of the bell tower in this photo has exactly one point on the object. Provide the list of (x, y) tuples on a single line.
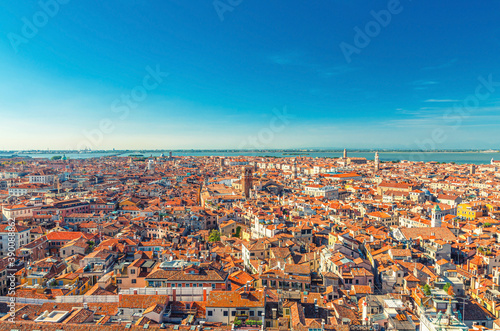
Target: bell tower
[(221, 163), (436, 217), (58, 184), (247, 179)]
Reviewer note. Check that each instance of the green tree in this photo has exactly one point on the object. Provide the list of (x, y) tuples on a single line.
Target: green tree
[(91, 245), (427, 289), (237, 234), (56, 157), (446, 287), (214, 236)]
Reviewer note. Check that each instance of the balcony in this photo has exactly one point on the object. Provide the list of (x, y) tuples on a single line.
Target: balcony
[(243, 314)]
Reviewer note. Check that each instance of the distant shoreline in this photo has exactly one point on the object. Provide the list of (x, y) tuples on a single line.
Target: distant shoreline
[(449, 156), (471, 152), (283, 151)]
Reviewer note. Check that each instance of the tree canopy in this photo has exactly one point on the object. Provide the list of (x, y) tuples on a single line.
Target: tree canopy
[(427, 289), (214, 236)]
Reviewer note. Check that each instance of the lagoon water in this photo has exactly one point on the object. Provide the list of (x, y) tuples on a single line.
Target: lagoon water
[(457, 157)]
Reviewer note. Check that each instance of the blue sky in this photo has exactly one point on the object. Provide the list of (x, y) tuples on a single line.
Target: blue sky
[(61, 86)]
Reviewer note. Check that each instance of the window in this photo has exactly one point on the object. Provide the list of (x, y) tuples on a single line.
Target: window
[(134, 281), (225, 313), (210, 313), (132, 271), (233, 313), (252, 313)]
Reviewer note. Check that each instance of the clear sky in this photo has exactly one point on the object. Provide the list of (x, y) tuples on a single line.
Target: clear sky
[(249, 74)]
